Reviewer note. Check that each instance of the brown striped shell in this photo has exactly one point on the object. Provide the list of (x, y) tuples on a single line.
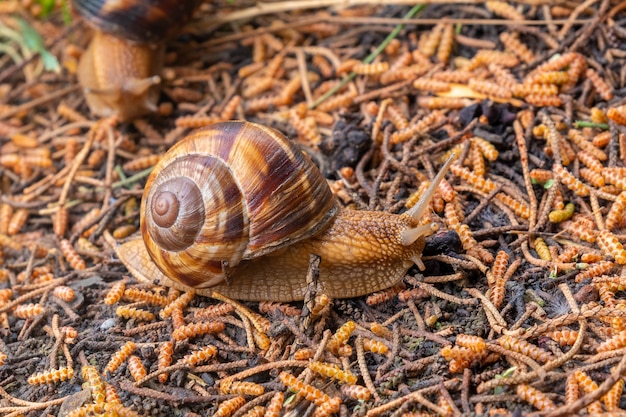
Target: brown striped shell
[(143, 21), (227, 193)]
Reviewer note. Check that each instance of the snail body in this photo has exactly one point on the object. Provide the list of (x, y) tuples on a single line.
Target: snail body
[(236, 208), (119, 71)]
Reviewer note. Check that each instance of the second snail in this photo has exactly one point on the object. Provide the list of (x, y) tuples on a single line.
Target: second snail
[(120, 70), (237, 208)]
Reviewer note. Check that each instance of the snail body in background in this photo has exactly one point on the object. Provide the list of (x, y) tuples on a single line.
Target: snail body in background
[(119, 71), (235, 207)]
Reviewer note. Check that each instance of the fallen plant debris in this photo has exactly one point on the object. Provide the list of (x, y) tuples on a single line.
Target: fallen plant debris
[(521, 308)]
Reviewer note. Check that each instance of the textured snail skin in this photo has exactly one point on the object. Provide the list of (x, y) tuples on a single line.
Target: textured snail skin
[(360, 254), (119, 71), (119, 77), (361, 251)]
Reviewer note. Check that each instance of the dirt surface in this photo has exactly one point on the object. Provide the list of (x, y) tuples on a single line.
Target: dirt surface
[(520, 308)]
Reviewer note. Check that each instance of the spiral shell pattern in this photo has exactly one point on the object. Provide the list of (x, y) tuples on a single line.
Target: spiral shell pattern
[(226, 193)]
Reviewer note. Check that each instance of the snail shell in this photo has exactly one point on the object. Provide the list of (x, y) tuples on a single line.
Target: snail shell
[(145, 21), (230, 192)]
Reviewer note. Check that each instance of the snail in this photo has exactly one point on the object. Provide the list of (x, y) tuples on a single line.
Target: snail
[(236, 208), (119, 71)]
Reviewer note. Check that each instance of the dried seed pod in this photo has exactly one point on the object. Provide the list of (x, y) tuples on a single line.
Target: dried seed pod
[(498, 268), (570, 181), (180, 302), (617, 114), (307, 129), (614, 177), (582, 229), (568, 254), (490, 88), (563, 337), (474, 343), (456, 76), (18, 219), (603, 89), (148, 297), (540, 176), (481, 183), (572, 392), (256, 411), (615, 215), (59, 221), (178, 318), (585, 383), (543, 101), (328, 408), (542, 249), (228, 407), (397, 118), (592, 177), (28, 311), (92, 377), (275, 405), (486, 148), (136, 368), (385, 295), (374, 346), (341, 336), (51, 376), (96, 158), (597, 269), (309, 392), (525, 348), (581, 141), (166, 350), (541, 90), (430, 40), (120, 356), (548, 77), (333, 371), (134, 313), (610, 245), (195, 329), (214, 311), (445, 44), (69, 333), (487, 56), (141, 163), (200, 356), (230, 108), (286, 309), (442, 102), (370, 69), (535, 397), (241, 388), (86, 220), (70, 254), (517, 47), (115, 293), (356, 392), (498, 292), (591, 258), (612, 397), (64, 293), (601, 139), (6, 212)]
